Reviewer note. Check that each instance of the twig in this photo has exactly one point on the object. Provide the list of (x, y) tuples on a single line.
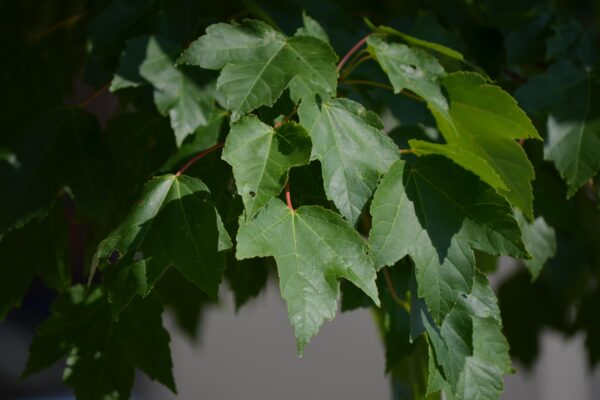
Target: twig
[(197, 157), (355, 62), (367, 83), (393, 293), (85, 102), (353, 50)]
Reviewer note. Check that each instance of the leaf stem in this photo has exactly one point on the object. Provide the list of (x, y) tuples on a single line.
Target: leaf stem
[(367, 83), (393, 293), (197, 157), (381, 85), (406, 151), (73, 19), (355, 62), (353, 50), (288, 196), (84, 103), (286, 118)]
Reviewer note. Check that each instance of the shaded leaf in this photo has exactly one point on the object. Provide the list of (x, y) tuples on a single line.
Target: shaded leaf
[(61, 148), (203, 138), (173, 224), (109, 29), (101, 354), (20, 265), (569, 97), (436, 212), (540, 241), (179, 92), (471, 354)]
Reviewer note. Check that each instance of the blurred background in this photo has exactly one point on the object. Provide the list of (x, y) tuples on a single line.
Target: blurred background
[(252, 355)]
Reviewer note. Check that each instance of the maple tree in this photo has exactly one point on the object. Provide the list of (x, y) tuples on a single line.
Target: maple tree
[(384, 162)]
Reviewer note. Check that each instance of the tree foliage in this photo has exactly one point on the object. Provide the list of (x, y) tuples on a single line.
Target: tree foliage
[(382, 160)]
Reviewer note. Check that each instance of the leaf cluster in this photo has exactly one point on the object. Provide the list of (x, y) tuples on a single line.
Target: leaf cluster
[(245, 140)]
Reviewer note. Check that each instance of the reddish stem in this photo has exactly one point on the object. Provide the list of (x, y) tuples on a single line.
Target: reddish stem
[(93, 96), (286, 118), (521, 141), (353, 50), (197, 157), (288, 196)]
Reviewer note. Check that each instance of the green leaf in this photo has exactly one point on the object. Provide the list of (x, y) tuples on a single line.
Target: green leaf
[(569, 97), (471, 354), (311, 28), (173, 224), (101, 354), (312, 247), (436, 212), (540, 241), (410, 68), (258, 63), (341, 130), (20, 265), (261, 157), (413, 41), (178, 91), (481, 129), (61, 148)]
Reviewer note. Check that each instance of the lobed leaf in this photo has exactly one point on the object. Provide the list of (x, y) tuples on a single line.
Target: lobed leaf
[(481, 128), (179, 92), (261, 157), (258, 63), (341, 131), (173, 224), (436, 212), (102, 354), (313, 247)]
